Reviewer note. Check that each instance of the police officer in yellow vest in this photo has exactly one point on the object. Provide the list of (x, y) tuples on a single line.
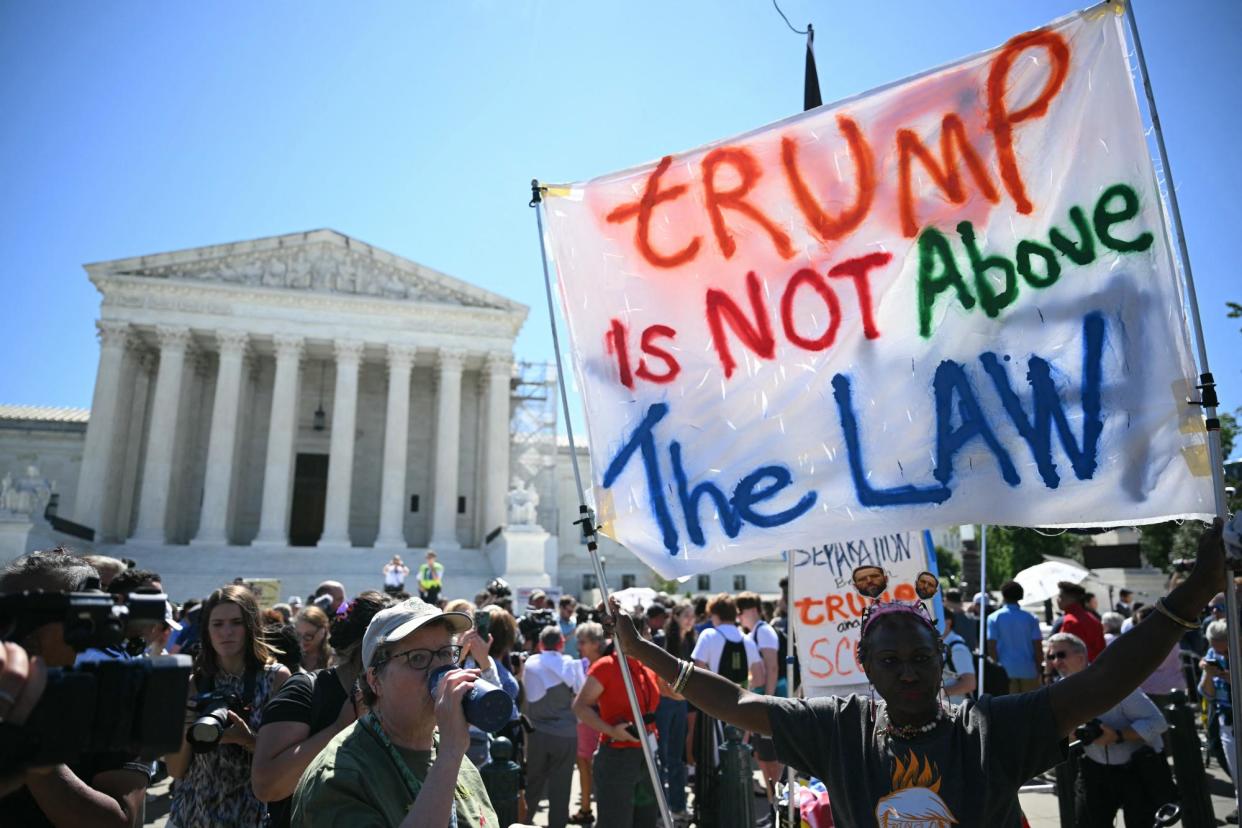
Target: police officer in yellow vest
[(430, 579)]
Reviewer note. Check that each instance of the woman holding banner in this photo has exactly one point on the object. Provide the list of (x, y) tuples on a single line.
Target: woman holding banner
[(908, 756)]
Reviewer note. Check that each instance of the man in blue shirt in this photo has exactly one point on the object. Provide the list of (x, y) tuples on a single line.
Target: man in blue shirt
[(1015, 642)]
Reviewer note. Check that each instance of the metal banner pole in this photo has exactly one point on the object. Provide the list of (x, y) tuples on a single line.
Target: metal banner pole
[(983, 610), (588, 523), (1207, 384), (791, 650)]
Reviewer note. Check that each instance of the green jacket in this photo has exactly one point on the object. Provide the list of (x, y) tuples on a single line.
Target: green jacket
[(353, 782)]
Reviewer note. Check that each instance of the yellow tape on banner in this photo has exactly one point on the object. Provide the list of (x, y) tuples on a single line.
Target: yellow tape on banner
[(605, 513), (1118, 9)]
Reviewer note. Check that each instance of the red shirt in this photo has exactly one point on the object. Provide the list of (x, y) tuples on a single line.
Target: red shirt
[(1079, 621), (614, 705)]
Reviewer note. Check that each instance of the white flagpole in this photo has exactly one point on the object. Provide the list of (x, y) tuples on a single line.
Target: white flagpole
[(791, 650), (983, 610), (1207, 384), (588, 524)]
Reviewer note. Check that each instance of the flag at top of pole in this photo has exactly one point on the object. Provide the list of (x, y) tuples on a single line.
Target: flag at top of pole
[(950, 300)]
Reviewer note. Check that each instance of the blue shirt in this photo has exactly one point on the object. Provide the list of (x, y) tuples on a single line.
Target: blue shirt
[(567, 632), (1013, 629), (1135, 711), (1223, 701)]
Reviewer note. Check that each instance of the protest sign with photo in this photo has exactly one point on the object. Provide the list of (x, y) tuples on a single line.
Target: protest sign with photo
[(950, 300), (827, 610)]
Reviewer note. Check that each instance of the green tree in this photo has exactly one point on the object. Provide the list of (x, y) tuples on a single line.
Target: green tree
[(949, 566), (1012, 549)]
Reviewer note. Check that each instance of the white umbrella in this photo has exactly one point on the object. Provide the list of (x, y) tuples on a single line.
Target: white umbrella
[(1039, 582)]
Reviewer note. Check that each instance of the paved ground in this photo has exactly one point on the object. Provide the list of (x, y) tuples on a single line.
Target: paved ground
[(1040, 808)]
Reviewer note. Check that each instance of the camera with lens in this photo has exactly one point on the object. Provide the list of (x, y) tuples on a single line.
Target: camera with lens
[(212, 718), (586, 614), (1089, 732), (533, 622), (132, 706)]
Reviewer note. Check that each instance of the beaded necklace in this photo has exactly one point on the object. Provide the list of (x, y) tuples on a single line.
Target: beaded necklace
[(912, 731)]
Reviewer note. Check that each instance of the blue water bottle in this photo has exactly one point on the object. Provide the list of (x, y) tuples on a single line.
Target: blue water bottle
[(487, 706)]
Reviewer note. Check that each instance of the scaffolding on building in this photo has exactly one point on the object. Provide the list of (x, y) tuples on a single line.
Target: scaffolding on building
[(532, 424)]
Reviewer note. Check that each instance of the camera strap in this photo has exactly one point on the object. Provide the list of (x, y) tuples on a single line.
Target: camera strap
[(249, 680)]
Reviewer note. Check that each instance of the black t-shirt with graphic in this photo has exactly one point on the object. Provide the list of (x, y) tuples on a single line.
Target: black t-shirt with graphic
[(965, 772)]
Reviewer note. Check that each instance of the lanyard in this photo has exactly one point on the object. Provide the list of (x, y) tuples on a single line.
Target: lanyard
[(413, 786)]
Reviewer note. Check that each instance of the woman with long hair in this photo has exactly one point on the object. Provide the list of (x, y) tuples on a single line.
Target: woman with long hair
[(214, 784), (310, 710), (313, 634), (672, 716)]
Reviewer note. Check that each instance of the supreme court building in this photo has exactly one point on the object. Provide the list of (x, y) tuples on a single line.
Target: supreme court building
[(302, 407)]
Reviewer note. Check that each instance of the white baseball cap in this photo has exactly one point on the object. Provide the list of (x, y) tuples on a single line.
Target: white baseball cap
[(400, 620)]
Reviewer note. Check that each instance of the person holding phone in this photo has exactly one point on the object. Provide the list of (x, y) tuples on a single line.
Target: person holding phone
[(623, 791)]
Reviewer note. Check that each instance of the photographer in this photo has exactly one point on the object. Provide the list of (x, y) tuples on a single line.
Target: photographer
[(551, 679), (98, 789), (234, 667), (309, 710), (1122, 766), (403, 763)]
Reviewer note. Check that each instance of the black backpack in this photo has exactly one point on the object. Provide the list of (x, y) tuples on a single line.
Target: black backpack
[(995, 677)]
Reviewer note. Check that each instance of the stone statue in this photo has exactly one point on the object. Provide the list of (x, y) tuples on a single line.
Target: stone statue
[(28, 495), (523, 504)]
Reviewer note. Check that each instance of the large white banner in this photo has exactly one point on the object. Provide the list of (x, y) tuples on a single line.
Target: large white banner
[(827, 610), (948, 301)]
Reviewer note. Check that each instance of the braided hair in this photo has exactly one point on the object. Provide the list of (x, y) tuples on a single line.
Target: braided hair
[(349, 627)]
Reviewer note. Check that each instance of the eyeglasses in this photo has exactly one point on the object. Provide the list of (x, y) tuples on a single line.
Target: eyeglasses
[(310, 636), (1057, 656), (423, 659)]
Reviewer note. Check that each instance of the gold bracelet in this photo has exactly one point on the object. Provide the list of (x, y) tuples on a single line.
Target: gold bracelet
[(1174, 617)]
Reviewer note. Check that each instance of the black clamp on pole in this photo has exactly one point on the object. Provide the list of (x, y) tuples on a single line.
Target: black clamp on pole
[(587, 522), (536, 192), (1208, 398)]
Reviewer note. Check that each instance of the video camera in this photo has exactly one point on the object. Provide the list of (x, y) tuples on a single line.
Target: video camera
[(586, 614), (533, 622), (133, 706)]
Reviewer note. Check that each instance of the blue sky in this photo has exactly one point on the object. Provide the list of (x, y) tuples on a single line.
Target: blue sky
[(134, 128)]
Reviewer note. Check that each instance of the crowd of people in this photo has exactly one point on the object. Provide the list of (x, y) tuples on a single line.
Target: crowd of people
[(340, 713)]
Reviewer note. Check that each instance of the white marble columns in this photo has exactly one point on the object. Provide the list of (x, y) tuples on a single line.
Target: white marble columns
[(278, 469), (107, 405), (221, 445), (497, 372), (396, 449), (161, 437), (341, 447), (448, 435)]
